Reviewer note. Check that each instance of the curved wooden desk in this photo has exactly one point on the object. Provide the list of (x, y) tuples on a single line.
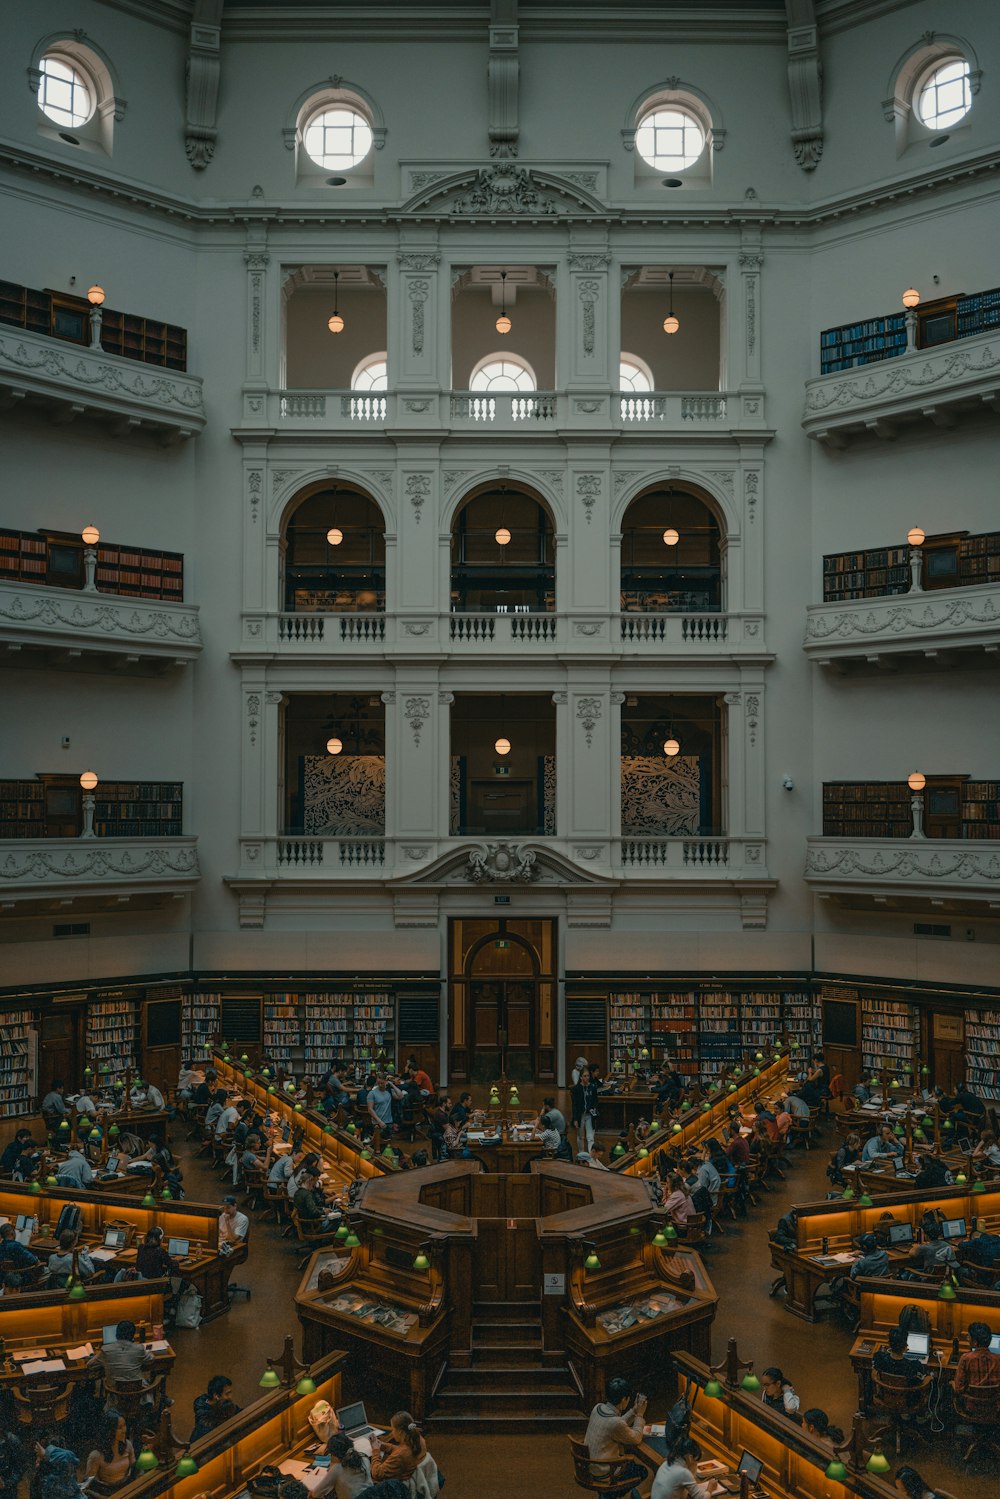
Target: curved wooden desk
[(503, 1249)]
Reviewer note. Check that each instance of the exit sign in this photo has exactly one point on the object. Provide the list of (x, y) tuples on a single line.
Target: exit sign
[(501, 900)]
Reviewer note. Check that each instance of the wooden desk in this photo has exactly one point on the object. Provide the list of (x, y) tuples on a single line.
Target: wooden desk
[(50, 1315), (272, 1429), (198, 1222), (842, 1223), (794, 1462), (75, 1371)]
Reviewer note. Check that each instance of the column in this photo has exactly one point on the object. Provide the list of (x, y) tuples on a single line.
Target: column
[(414, 750), (751, 260), (583, 343), (256, 259), (415, 335), (588, 740)]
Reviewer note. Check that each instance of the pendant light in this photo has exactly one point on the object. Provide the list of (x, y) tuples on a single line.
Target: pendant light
[(671, 746), (334, 745), (503, 321), (335, 323), (334, 536), (911, 298), (671, 537), (502, 746), (670, 322), (502, 533)]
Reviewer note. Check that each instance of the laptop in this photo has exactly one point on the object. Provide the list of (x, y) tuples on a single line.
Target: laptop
[(109, 1334), (900, 1233), (752, 1466), (114, 1238), (111, 1165), (953, 1228), (354, 1422), (178, 1249), (918, 1345), (995, 1343)]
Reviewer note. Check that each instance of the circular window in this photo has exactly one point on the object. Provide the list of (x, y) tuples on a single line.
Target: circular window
[(337, 137), (64, 94), (633, 377), (669, 139), (371, 374), (505, 373), (944, 96)]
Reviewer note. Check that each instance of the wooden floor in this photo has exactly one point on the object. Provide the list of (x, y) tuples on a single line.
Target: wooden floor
[(814, 1357)]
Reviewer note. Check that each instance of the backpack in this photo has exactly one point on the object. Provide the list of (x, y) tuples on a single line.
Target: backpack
[(70, 1219), (188, 1313)]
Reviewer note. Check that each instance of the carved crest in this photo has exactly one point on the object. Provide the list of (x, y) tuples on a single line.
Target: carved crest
[(504, 189), (501, 863)]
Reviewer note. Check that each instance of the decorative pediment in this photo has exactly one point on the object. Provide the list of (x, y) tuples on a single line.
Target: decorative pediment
[(502, 864), (502, 190)]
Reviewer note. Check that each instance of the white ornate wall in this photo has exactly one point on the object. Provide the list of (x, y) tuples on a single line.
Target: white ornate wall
[(801, 233)]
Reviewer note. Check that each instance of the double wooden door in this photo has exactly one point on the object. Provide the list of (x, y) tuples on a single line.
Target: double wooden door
[(502, 1027)]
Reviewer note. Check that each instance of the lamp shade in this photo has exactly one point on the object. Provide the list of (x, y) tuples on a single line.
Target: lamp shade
[(911, 297), (642, 1153), (305, 1386), (89, 780), (671, 747), (77, 1291), (186, 1467), (713, 1389), (592, 1262), (669, 1232), (146, 1461), (502, 746), (420, 1261), (836, 1470), (502, 536), (95, 296), (334, 745), (750, 1382), (671, 324), (335, 323), (90, 536), (671, 537), (269, 1380), (352, 1241), (878, 1462), (915, 536), (335, 536), (864, 1201), (503, 324), (149, 1201), (916, 780), (946, 1291), (660, 1239)]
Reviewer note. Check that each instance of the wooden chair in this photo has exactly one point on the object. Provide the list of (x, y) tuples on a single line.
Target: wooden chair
[(312, 1235), (128, 1398), (979, 1408), (693, 1231), (255, 1185), (40, 1406), (902, 1401), (613, 1479)]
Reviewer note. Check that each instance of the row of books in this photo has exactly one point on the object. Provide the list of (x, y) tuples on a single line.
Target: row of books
[(699, 1031)]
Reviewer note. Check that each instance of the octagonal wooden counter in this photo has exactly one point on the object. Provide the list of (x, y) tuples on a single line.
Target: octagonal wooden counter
[(504, 1251)]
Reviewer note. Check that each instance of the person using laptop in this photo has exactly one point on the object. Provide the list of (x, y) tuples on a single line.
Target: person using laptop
[(873, 1260), (675, 1476), (934, 1253), (978, 1368), (124, 1358), (402, 1451), (75, 1171), (882, 1143), (932, 1173), (893, 1360), (61, 1263), (152, 1261), (349, 1472)]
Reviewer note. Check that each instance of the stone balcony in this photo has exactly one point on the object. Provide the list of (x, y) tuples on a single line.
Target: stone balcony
[(942, 874), (51, 873), (75, 383), (906, 630), (66, 627), (680, 637), (306, 414), (928, 386), (415, 871)]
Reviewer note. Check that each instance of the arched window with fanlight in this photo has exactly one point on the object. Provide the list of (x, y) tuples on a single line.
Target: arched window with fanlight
[(335, 554), (503, 554), (671, 554)]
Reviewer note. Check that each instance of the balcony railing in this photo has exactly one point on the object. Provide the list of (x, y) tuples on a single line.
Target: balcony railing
[(119, 632), (905, 629), (78, 383), (908, 872), (714, 636), (704, 853), (928, 388), (680, 412), (67, 869)]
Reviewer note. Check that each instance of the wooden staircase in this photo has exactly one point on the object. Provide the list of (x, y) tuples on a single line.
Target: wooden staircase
[(508, 1386)]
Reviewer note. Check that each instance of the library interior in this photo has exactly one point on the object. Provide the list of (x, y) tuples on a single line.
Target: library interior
[(499, 772)]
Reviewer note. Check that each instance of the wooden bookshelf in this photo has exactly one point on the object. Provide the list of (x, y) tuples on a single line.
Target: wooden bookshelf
[(865, 342), (112, 1035), (674, 1020), (56, 558), (629, 1029), (68, 318), (720, 1042), (982, 1052), (22, 809), (138, 809), (282, 1029), (200, 1022), (874, 573), (889, 1035), (866, 809), (17, 1080)]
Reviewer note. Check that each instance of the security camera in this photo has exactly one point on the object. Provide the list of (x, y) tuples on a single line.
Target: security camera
[(788, 783)]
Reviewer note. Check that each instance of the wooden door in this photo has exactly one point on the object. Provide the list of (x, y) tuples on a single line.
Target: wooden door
[(59, 1050), (945, 1048), (943, 806), (507, 1260), (502, 1027), (161, 1042)]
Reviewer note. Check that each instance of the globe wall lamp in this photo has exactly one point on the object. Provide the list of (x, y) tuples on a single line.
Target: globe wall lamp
[(502, 746), (334, 746), (671, 537), (95, 296), (335, 536), (916, 781), (88, 782)]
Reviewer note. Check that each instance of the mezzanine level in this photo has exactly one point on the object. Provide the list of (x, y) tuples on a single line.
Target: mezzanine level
[(60, 627), (38, 874), (939, 874), (914, 630)]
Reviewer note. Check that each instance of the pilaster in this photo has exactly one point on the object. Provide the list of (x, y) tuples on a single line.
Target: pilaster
[(417, 331)]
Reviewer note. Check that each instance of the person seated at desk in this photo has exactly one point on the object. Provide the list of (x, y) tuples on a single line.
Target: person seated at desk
[(986, 1149), (281, 1170), (75, 1171), (549, 1136), (818, 1424), (777, 1393), (204, 1091), (615, 1425), (720, 1160), (151, 1259), (311, 1164), (970, 1111), (909, 1483), (233, 1225), (981, 1249), (677, 1200), (934, 1252), (60, 1264), (705, 1175), (349, 1472), (147, 1097), (786, 1233), (216, 1108), (738, 1147), (881, 1143), (873, 1260), (228, 1118), (848, 1155), (796, 1105), (978, 1368), (84, 1104), (932, 1173), (402, 1452), (14, 1256), (595, 1157), (311, 1206), (419, 1078), (892, 1359), (55, 1473), (558, 1117), (675, 1478), (124, 1358), (863, 1089), (189, 1076), (214, 1407), (22, 1144), (113, 1456)]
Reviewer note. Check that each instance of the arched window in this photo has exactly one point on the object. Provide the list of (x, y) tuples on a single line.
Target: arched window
[(634, 375), (671, 140), (335, 554), (931, 89), (335, 129), (671, 557), (502, 554), (674, 131), (78, 101), (337, 137), (943, 95), (371, 374), (503, 372)]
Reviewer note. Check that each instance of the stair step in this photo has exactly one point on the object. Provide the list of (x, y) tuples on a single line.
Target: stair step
[(507, 1334), (506, 1311), (506, 1355), (536, 1423), (523, 1402), (502, 1377)]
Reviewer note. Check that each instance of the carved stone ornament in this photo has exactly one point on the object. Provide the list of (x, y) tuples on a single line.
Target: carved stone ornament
[(255, 480), (751, 484), (92, 369), (588, 487), (504, 189), (501, 864), (416, 850), (885, 617), (95, 615), (419, 260), (753, 717), (900, 377), (253, 717), (905, 861), (418, 487), (588, 713), (416, 711), (96, 862)]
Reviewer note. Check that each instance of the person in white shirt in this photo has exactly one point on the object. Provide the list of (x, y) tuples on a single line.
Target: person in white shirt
[(75, 1171), (227, 1120), (147, 1097), (188, 1078), (777, 1393), (233, 1225), (60, 1265), (281, 1170), (675, 1478), (85, 1104)]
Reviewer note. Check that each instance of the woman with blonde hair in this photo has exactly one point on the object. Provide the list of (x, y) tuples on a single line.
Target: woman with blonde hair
[(401, 1452)]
